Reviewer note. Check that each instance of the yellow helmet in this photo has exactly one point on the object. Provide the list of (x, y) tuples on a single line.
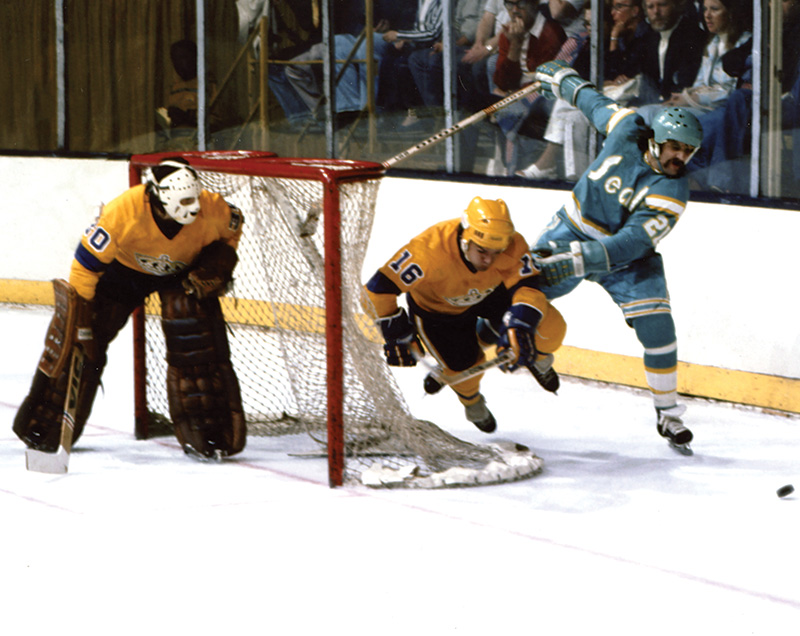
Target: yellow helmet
[(487, 223)]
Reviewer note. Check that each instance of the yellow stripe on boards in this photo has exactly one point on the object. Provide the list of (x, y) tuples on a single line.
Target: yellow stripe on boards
[(741, 387), (26, 292)]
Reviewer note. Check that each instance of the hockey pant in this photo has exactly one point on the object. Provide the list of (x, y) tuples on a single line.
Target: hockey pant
[(640, 291), (204, 400), (457, 342)]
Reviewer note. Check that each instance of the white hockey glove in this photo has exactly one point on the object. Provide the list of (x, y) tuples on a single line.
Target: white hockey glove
[(559, 260), (559, 80)]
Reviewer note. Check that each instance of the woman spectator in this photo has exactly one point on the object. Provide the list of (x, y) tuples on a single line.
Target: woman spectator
[(728, 23)]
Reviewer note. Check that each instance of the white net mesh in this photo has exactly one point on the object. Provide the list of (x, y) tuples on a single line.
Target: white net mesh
[(276, 315)]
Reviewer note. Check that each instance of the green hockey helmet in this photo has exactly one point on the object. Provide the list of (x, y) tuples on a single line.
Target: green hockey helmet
[(677, 124)]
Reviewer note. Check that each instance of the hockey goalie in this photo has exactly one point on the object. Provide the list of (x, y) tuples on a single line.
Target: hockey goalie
[(165, 236)]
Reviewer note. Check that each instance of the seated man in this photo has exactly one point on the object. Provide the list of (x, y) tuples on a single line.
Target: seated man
[(528, 40)]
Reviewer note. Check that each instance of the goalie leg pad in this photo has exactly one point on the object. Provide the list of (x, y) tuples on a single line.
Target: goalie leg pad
[(204, 399), (38, 420), (71, 320)]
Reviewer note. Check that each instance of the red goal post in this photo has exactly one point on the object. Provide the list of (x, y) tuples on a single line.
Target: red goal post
[(309, 361)]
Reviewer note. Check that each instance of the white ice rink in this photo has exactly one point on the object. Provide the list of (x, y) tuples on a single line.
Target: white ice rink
[(619, 534)]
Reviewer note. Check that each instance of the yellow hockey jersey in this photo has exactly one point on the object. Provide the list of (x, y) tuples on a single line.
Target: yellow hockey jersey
[(126, 232), (432, 269)]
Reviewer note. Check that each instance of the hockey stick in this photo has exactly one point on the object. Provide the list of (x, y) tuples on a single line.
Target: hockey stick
[(56, 463), (464, 123), (447, 380)]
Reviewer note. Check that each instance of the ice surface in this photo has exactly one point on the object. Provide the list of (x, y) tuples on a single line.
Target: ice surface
[(618, 535)]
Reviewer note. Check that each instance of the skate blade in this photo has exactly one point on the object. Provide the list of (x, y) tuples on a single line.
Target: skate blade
[(683, 449), (215, 458)]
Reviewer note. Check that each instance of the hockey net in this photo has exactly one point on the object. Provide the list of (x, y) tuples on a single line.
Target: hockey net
[(308, 360)]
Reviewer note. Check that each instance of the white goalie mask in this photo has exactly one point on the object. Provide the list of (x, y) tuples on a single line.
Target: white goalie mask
[(179, 192)]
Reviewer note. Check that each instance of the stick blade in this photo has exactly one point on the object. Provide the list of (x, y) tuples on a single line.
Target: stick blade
[(52, 463)]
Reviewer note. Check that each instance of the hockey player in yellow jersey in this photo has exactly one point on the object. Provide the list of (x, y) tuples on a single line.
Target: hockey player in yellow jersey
[(168, 236), (468, 284)]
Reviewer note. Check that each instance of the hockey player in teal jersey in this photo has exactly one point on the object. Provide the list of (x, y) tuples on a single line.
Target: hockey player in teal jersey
[(628, 200)]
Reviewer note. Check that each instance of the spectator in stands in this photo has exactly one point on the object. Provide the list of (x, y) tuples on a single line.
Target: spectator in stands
[(728, 23), (178, 119), (526, 39), (306, 74), (628, 31), (545, 165), (567, 128), (718, 167), (529, 39), (397, 91), (473, 73), (298, 88), (426, 65), (670, 57), (568, 13)]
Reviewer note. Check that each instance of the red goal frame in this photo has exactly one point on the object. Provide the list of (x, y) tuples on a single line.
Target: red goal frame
[(332, 173)]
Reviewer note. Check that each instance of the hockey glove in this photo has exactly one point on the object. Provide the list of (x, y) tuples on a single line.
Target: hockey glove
[(558, 80), (517, 333), (401, 339), (559, 260)]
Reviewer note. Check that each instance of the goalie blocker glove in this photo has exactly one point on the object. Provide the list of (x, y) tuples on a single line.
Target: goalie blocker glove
[(559, 260), (401, 341), (558, 80)]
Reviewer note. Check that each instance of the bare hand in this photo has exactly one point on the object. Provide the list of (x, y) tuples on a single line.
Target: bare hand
[(515, 30), (677, 99), (475, 54)]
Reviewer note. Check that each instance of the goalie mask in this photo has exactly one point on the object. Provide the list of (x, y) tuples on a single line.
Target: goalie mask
[(487, 223), (178, 188)]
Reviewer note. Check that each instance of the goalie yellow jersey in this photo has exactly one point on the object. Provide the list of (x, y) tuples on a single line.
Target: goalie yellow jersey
[(433, 271), (126, 232)]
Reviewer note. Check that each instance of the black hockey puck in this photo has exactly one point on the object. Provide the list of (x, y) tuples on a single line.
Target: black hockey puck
[(786, 490)]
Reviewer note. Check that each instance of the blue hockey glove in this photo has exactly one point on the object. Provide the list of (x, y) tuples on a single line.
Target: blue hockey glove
[(517, 334), (559, 260), (559, 80), (401, 339)]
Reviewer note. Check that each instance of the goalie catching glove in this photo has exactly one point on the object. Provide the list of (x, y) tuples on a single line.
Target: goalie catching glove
[(560, 260), (558, 80), (401, 341), (212, 271)]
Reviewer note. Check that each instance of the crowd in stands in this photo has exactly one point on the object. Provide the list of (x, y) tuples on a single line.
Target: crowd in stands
[(657, 53)]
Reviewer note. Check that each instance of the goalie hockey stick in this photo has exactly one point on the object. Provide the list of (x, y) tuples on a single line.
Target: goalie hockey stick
[(57, 463), (464, 123)]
